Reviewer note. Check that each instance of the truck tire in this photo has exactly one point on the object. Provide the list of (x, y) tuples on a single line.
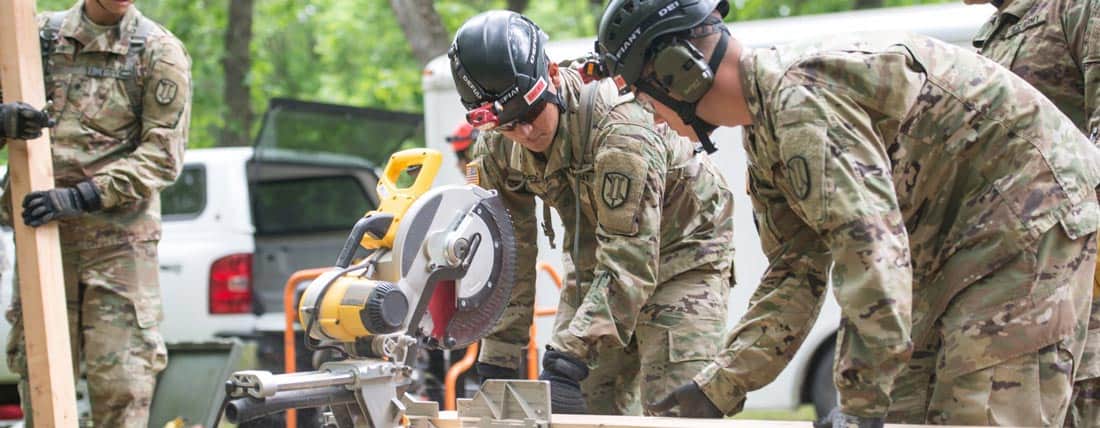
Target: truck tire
[(822, 390)]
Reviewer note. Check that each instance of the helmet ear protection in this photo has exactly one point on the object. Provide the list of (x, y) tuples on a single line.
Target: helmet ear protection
[(682, 70)]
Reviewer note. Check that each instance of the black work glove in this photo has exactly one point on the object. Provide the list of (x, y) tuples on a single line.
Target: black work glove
[(22, 122), (565, 373), (492, 371), (44, 206), (691, 400), (838, 419)]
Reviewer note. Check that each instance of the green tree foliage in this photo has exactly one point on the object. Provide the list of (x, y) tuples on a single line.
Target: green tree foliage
[(353, 52)]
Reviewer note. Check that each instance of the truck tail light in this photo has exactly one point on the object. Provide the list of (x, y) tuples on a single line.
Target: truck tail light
[(231, 284)]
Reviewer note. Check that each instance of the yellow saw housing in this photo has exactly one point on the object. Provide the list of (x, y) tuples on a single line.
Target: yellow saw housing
[(396, 200), (352, 306)]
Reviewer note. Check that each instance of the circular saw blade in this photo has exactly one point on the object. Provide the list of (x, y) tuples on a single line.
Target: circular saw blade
[(460, 311), (483, 293)]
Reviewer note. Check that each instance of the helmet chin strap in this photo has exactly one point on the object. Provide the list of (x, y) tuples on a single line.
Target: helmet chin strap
[(686, 110)]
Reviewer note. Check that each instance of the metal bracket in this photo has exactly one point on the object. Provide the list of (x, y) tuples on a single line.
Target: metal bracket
[(508, 404), (376, 383), (420, 413)]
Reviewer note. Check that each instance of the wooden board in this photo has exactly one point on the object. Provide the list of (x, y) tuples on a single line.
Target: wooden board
[(41, 284), (449, 419)]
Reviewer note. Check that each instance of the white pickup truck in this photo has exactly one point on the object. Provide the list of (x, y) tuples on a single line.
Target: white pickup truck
[(239, 221)]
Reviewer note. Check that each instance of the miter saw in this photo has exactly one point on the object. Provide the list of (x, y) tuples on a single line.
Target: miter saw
[(440, 275)]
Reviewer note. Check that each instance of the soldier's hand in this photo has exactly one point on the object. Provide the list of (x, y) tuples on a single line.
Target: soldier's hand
[(691, 400), (565, 373), (21, 121), (44, 206), (838, 419)]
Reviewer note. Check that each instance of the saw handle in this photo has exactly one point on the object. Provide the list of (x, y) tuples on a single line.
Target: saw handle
[(396, 200), (373, 226)]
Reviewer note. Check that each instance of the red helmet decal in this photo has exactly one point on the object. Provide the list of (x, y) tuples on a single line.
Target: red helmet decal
[(536, 91)]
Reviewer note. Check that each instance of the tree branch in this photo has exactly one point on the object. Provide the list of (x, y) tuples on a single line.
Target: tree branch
[(519, 6), (422, 27), (237, 62)]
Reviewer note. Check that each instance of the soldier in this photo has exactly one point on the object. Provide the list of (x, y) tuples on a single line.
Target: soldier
[(954, 204), (648, 227), (1053, 45), (120, 87), (460, 140)]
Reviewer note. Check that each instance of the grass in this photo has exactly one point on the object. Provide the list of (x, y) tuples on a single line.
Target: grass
[(804, 413)]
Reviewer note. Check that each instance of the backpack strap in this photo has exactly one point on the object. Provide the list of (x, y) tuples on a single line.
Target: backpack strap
[(580, 163), (133, 73), (48, 37), (583, 163)]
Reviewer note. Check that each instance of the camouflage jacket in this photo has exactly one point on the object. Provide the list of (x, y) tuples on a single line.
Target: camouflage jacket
[(1055, 46), (914, 168), (98, 136), (649, 208)]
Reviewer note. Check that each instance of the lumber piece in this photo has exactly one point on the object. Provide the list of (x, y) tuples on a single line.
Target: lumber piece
[(450, 419), (38, 251)]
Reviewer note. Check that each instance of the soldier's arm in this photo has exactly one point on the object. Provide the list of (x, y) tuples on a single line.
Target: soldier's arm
[(1081, 21), (782, 309), (628, 190), (839, 183), (166, 115), (503, 347)]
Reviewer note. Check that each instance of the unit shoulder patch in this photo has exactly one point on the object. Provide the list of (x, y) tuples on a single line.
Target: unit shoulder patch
[(166, 91), (798, 172), (618, 190), (615, 189)]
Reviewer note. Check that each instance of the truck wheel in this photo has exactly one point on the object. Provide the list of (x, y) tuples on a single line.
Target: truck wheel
[(822, 391)]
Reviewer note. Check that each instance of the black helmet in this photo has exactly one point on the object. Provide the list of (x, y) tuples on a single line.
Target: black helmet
[(499, 65), (633, 33), (629, 28)]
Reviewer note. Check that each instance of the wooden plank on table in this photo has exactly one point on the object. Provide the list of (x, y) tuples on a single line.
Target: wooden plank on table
[(449, 419), (38, 251)]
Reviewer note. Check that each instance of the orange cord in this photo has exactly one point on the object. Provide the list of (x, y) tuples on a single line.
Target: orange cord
[(545, 267), (451, 382), (291, 314)]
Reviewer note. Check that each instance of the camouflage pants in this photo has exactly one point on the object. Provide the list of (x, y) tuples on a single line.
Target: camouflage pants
[(112, 296), (1085, 409), (1031, 388), (679, 331)]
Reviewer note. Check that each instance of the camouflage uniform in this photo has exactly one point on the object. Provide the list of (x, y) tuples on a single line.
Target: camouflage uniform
[(645, 295), (958, 213), (110, 256), (1055, 46)]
